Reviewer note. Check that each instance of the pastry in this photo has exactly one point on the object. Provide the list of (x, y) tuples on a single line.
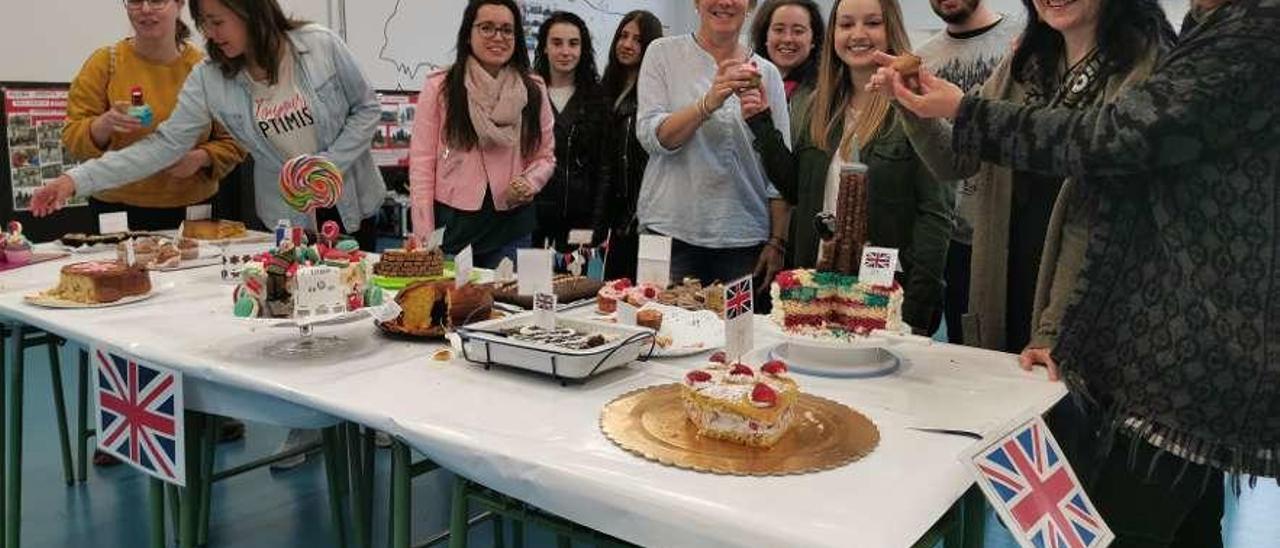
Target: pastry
[(908, 65), (737, 404), (562, 337), (431, 308), (650, 318), (17, 248), (417, 263), (213, 229), (833, 306), (93, 282)]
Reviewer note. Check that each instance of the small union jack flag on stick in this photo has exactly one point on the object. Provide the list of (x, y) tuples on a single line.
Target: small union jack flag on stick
[(1030, 483), (140, 414), (739, 318)]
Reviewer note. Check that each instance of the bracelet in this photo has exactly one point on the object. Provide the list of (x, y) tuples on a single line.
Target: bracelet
[(778, 244), (703, 110)]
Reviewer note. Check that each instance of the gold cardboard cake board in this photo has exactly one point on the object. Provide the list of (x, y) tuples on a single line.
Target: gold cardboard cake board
[(651, 422)]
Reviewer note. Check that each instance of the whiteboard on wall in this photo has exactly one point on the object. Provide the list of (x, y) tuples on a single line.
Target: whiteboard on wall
[(56, 36), (399, 41)]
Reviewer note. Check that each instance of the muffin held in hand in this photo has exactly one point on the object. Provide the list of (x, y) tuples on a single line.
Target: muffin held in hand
[(908, 65)]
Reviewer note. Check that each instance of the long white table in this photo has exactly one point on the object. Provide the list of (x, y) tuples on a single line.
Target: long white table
[(531, 438)]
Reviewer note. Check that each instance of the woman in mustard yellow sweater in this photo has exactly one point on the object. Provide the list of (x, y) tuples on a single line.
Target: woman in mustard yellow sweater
[(157, 59)]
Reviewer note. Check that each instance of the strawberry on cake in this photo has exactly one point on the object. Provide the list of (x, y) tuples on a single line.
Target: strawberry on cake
[(623, 290), (738, 404)]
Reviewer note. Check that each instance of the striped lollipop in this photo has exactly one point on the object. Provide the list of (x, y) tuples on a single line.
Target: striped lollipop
[(310, 182)]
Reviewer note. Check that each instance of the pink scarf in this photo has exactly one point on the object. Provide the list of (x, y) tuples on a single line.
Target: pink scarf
[(496, 104)]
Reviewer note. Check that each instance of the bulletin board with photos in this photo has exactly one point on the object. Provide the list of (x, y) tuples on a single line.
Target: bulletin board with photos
[(32, 121), (395, 128)]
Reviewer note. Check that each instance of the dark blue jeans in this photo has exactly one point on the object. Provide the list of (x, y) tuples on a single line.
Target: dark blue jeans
[(712, 265), (491, 259)]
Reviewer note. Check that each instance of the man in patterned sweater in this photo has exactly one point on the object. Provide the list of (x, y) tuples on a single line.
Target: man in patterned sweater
[(973, 44), (1173, 343)]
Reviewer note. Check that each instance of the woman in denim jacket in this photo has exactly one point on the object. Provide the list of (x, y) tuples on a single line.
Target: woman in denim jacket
[(282, 88)]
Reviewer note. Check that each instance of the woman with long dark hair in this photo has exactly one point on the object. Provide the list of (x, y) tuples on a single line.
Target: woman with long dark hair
[(1030, 244), (624, 157), (483, 140), (565, 59), (790, 34), (282, 88)]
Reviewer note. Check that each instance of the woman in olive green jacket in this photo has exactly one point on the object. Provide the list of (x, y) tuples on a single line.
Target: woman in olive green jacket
[(910, 210)]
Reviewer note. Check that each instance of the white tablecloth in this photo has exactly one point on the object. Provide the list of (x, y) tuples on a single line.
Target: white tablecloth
[(534, 439)]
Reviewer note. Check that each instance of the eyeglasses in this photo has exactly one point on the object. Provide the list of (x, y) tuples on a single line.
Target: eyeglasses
[(488, 30), (153, 4)]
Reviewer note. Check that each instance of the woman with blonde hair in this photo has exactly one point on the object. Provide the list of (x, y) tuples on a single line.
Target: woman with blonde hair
[(909, 209)]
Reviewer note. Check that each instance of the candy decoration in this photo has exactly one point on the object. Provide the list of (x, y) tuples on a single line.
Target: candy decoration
[(15, 227), (248, 307), (308, 183), (330, 231)]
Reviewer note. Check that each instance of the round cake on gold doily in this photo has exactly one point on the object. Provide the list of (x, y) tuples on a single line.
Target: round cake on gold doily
[(651, 422)]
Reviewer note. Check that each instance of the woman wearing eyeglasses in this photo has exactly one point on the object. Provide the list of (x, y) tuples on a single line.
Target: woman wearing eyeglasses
[(483, 140), (282, 88), (157, 59)]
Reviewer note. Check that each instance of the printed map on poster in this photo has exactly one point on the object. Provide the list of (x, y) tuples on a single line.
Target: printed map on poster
[(34, 119), (399, 41)]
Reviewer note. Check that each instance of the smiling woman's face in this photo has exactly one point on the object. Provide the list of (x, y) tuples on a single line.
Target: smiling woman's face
[(859, 33), (1068, 15), (722, 16)]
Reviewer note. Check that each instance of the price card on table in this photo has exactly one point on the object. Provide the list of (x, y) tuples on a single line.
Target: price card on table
[(580, 237), (436, 239), (544, 310), (654, 260), (533, 271), (319, 292), (462, 267), (113, 222), (387, 312), (199, 212), (505, 271), (626, 313), (878, 265)]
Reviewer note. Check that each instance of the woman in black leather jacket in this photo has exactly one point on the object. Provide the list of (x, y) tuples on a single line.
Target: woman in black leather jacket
[(566, 61), (624, 158)]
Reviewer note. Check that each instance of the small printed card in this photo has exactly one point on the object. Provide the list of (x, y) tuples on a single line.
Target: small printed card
[(505, 271), (319, 293), (878, 265), (654, 260), (544, 310), (113, 222), (533, 271), (580, 237), (462, 267), (389, 311), (437, 238), (199, 212), (130, 255), (626, 313)]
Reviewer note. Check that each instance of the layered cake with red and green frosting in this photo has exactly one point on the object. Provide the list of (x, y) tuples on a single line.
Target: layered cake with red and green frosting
[(834, 306)]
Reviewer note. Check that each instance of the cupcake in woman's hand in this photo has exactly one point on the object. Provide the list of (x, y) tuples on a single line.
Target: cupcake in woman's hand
[(17, 248)]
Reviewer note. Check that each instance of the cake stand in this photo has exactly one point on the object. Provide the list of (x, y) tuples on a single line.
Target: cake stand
[(305, 344), (859, 358)]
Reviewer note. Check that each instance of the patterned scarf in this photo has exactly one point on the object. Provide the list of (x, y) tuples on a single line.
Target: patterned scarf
[(496, 103)]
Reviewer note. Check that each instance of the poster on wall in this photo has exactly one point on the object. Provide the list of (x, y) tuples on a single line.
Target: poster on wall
[(34, 118), (395, 127)]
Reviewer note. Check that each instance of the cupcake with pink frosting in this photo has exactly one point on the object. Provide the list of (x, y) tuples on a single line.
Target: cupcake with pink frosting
[(17, 248)]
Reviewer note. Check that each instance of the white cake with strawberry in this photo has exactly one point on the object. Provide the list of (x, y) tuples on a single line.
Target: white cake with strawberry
[(738, 404)]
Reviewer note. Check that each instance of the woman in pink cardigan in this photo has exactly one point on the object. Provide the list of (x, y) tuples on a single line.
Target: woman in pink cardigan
[(483, 141)]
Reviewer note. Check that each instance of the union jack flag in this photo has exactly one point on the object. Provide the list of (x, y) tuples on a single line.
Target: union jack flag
[(140, 412), (877, 259), (738, 299), (1035, 490)]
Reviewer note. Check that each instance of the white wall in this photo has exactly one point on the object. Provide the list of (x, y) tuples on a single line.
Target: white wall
[(48, 40)]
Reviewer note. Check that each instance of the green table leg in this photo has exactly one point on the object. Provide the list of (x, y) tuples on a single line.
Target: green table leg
[(5, 333), (563, 541), (975, 518), (13, 504), (157, 513), (60, 406), (82, 418), (333, 460), (367, 474), (175, 507), (190, 505), (355, 461), (517, 533), (401, 505), (499, 532), (207, 445), (458, 514)]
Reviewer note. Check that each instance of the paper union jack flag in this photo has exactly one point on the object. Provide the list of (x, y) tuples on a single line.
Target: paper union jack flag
[(877, 259), (140, 415), (738, 299), (1037, 493)]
